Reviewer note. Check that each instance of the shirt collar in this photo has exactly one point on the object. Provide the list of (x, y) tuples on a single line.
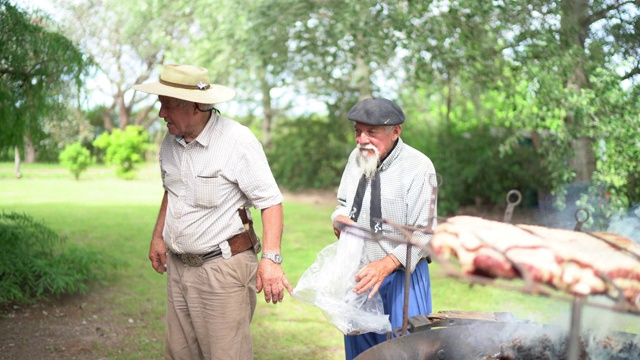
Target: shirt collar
[(395, 152), (204, 138)]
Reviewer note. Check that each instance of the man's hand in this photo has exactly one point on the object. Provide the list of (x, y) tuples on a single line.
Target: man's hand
[(158, 255), (339, 223), (373, 274), (272, 280)]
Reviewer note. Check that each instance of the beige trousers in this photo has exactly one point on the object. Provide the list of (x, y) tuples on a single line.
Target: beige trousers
[(209, 308)]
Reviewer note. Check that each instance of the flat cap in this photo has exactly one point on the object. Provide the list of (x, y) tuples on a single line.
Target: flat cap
[(377, 112)]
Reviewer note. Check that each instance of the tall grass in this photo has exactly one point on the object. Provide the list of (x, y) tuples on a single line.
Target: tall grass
[(116, 217)]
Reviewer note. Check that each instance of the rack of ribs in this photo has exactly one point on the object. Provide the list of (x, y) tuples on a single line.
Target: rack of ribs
[(576, 262)]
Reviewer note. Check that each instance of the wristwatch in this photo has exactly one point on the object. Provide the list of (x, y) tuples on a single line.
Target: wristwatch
[(276, 258)]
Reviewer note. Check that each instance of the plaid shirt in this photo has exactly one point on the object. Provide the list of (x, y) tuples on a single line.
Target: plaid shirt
[(208, 179), (407, 178)]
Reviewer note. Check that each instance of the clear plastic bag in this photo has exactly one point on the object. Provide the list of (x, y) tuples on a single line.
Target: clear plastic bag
[(328, 284)]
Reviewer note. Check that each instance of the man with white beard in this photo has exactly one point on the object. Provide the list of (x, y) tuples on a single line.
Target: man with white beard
[(386, 179)]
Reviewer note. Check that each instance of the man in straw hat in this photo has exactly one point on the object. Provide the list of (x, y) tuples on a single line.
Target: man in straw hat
[(213, 169), (386, 179)]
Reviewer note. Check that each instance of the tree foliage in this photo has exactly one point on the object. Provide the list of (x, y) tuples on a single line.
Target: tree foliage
[(557, 66), (40, 70), (561, 75), (129, 40)]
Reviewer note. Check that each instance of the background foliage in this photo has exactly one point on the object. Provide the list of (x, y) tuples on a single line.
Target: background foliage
[(493, 91), (309, 153)]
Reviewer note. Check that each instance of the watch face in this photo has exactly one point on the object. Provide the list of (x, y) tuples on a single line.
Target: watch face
[(276, 258)]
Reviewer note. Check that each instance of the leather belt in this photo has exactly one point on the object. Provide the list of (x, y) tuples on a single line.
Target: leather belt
[(236, 244)]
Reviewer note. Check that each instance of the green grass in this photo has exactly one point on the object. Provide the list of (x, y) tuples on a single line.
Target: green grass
[(117, 216)]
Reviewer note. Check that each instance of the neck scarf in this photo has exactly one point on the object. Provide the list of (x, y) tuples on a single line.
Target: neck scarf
[(375, 209)]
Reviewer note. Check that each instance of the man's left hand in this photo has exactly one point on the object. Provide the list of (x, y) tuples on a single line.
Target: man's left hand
[(272, 280), (373, 274)]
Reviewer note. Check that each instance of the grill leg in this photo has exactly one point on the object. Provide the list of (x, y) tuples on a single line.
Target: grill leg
[(574, 331)]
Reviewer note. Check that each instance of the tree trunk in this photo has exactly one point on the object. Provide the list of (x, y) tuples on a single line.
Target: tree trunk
[(123, 111), (573, 35), (17, 162), (583, 163), (363, 79), (267, 109), (29, 151)]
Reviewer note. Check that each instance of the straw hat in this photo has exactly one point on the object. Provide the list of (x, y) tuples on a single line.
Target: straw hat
[(189, 83)]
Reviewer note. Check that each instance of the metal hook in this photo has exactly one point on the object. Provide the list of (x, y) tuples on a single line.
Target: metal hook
[(511, 204), (579, 222)]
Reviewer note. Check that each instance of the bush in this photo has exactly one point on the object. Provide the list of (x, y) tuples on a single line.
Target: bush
[(474, 171), (310, 153), (124, 149), (36, 264), (76, 158)]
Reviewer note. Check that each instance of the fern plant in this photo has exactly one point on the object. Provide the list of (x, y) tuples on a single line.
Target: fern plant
[(36, 263)]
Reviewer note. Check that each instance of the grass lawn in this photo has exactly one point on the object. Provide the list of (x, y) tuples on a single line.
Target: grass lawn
[(116, 217)]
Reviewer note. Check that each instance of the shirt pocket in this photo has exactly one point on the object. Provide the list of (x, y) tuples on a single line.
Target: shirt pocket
[(208, 191)]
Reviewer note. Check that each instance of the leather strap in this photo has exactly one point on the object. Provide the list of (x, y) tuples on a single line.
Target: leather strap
[(237, 244), (240, 243)]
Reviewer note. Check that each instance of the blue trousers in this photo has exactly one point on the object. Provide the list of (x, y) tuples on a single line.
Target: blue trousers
[(392, 292)]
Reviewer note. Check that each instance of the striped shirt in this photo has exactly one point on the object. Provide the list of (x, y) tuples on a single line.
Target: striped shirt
[(407, 178), (208, 179)]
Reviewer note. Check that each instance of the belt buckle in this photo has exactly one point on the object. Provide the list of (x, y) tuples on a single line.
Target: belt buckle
[(192, 259)]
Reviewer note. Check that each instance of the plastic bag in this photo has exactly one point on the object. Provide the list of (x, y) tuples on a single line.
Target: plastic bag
[(328, 284)]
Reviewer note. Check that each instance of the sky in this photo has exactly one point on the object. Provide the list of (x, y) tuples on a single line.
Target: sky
[(45, 5)]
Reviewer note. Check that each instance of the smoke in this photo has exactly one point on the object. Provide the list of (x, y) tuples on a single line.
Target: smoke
[(627, 225)]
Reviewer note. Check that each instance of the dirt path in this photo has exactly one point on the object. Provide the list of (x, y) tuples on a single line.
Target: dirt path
[(69, 328)]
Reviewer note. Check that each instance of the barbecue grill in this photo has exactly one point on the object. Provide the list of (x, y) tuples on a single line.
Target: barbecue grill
[(486, 336), (471, 335)]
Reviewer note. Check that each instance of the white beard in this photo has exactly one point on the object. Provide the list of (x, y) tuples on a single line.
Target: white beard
[(368, 163)]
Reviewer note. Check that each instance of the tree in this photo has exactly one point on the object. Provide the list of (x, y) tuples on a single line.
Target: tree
[(327, 50), (345, 50), (40, 70), (545, 57), (129, 40), (244, 44)]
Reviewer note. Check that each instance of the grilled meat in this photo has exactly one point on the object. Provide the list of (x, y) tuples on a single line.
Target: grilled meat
[(576, 262)]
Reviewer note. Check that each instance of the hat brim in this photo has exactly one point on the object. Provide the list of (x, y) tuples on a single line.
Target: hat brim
[(216, 94)]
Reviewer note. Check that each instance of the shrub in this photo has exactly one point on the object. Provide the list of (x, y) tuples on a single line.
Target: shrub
[(309, 153), (36, 264), (474, 170), (76, 158), (124, 149)]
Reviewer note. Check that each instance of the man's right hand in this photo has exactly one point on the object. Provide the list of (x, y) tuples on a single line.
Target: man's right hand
[(339, 222), (158, 255)]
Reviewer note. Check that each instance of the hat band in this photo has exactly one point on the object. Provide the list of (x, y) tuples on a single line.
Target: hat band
[(200, 86)]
